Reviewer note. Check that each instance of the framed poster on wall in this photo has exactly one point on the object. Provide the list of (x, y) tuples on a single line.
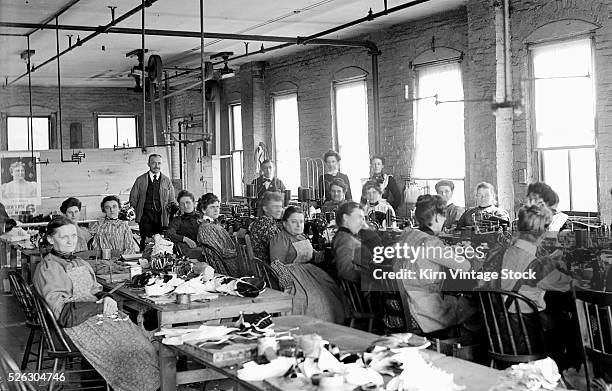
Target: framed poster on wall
[(20, 181)]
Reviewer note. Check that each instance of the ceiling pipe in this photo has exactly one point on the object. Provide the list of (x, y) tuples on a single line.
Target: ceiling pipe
[(54, 16), (189, 34), (371, 16), (99, 30)]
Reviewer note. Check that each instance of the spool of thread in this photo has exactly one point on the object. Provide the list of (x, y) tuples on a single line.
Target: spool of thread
[(251, 191), (304, 194), (287, 197), (183, 298), (106, 253)]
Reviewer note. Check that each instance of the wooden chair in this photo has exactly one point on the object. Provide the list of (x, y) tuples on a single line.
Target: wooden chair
[(513, 337), (249, 246), (62, 351), (594, 314), (392, 300), (25, 297), (8, 367), (361, 307), (265, 271)]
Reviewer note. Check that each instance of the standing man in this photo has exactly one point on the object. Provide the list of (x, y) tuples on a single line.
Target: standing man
[(445, 189), (149, 196), (266, 182)]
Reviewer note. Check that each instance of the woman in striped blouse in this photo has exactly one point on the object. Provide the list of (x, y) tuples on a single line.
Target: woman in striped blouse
[(110, 232)]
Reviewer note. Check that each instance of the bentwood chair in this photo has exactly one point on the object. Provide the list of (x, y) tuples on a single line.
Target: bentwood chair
[(65, 354), (8, 367), (594, 314), (361, 307), (514, 335), (25, 297)]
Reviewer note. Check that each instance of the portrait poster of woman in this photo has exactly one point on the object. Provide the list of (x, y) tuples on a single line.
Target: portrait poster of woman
[(19, 179)]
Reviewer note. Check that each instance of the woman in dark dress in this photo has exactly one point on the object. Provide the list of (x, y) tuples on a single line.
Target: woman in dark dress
[(338, 190), (266, 227), (388, 185), (332, 161), (218, 248), (315, 293), (114, 346), (183, 229)]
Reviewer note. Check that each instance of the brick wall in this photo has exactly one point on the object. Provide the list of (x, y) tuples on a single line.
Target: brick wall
[(78, 105), (470, 29)]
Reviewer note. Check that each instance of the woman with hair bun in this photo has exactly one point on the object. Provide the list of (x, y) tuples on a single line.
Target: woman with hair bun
[(218, 248), (332, 171), (390, 190), (486, 203), (315, 293), (110, 232), (432, 310), (71, 208)]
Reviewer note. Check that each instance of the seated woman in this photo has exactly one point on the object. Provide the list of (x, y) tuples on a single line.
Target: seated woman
[(183, 229), (540, 191), (485, 198), (316, 293), (266, 227), (218, 248), (110, 232), (390, 190), (521, 256), (71, 208), (348, 249), (432, 310), (337, 189), (118, 350), (374, 202)]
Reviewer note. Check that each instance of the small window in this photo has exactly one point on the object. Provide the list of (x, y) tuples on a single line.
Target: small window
[(287, 140), (117, 131), (17, 133), (439, 133), (564, 116), (351, 104), (236, 134)]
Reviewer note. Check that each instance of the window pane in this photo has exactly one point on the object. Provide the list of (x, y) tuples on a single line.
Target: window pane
[(116, 131), (352, 123), (126, 131), (439, 138), (237, 173), (18, 133), (237, 127), (564, 101), (287, 140), (584, 180), (107, 132), (556, 175)]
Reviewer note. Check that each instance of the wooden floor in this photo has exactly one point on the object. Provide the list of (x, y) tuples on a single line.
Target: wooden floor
[(13, 332)]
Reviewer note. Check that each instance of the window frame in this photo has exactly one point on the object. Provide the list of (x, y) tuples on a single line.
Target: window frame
[(116, 115), (539, 151), (414, 67), (280, 94), (362, 78), (233, 150), (49, 131)]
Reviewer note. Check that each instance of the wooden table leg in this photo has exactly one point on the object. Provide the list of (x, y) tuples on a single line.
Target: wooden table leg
[(167, 368)]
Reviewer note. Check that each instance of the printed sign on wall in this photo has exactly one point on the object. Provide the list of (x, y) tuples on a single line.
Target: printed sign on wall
[(19, 181)]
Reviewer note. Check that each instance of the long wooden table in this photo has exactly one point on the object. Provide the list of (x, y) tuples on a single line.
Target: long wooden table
[(272, 301), (476, 377)]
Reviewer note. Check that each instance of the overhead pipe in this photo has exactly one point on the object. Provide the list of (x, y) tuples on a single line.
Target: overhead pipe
[(144, 79), (54, 16), (203, 76), (59, 100), (30, 124), (371, 16), (189, 34), (99, 30)]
